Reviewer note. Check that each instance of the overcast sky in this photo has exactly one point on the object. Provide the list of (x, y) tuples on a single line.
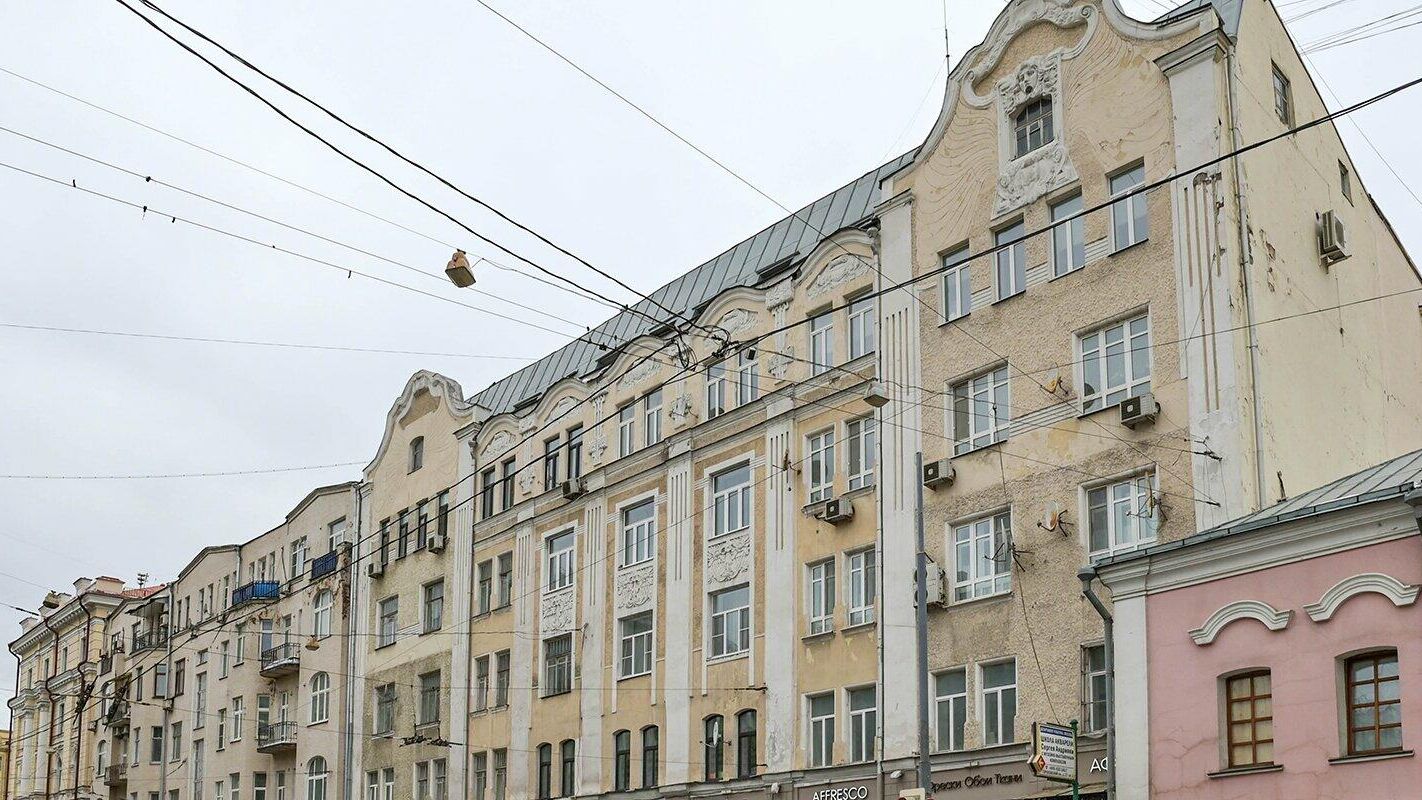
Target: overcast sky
[(799, 97)]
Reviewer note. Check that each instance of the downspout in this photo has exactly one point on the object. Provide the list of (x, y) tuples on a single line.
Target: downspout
[(1087, 574), (469, 606), (11, 776), (878, 552), (85, 689), (49, 697), (352, 590)]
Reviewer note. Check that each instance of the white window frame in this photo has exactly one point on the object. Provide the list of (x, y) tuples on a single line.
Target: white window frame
[(956, 286), (863, 327), (997, 693), (1024, 126), (731, 507), (1134, 207), (747, 376), (626, 429), (862, 586), (957, 726), (549, 665), (863, 724), (558, 565), (1283, 92), (1089, 698), (482, 680), (819, 471), (1140, 490), (320, 616), (819, 734), (986, 398), (638, 539), (320, 698), (821, 343), (979, 538), (1011, 260), (432, 613), (1095, 398), (861, 435), (719, 636), (387, 634), (652, 417), (716, 390), (635, 648), (1068, 237), (820, 595), (239, 717)]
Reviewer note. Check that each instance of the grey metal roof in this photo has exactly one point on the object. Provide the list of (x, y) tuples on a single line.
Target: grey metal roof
[(1229, 11), (737, 266), (1392, 478)]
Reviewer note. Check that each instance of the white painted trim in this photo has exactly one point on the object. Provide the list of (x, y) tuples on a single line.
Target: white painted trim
[(1393, 589), (1272, 618)]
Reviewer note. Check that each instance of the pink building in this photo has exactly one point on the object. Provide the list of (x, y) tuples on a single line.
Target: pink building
[(1278, 656)]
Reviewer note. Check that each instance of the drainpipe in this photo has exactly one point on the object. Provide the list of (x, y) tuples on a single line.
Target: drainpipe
[(10, 774), (169, 685), (878, 557), (1087, 574), (49, 697), (85, 689), (352, 592)]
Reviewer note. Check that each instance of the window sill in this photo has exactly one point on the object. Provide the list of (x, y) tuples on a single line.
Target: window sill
[(1137, 243), (1056, 277), (984, 599), (1384, 756), (945, 323), (635, 564), (550, 695), (634, 676), (1234, 772), (822, 636), (737, 656), (860, 626), (1018, 293), (979, 448)]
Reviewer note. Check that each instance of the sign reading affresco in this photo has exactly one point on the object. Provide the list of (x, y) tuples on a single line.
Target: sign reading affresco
[(859, 792)]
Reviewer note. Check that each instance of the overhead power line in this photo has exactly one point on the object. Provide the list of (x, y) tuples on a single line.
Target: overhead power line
[(132, 477)]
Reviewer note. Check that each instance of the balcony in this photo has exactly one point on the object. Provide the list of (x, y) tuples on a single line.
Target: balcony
[(283, 659), (277, 737), (116, 775), (149, 640), (256, 591), (118, 714), (325, 565)]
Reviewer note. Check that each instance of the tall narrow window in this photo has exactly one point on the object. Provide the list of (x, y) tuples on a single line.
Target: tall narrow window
[(569, 756), (385, 709), (575, 452), (821, 596), (821, 471), (558, 665), (481, 683), (621, 761), (485, 603), (745, 744), (501, 773), (559, 565), (433, 606), (950, 708), (1345, 181), (821, 343), (550, 462), (1093, 688), (1128, 214), (747, 378), (417, 453), (321, 618), (862, 587), (506, 483), (636, 645), (730, 622), (651, 749), (821, 730), (1033, 126), (487, 479), (545, 771), (731, 500), (481, 775), (316, 779), (1251, 719), (957, 288), (389, 621), (982, 557), (639, 532), (863, 327), (501, 679), (1068, 238), (1283, 97), (1115, 363), (1374, 703), (1121, 516), (652, 417), (1011, 260), (981, 410), (626, 429), (863, 441), (714, 739), (863, 723), (999, 702), (429, 699), (320, 698), (505, 579), (716, 390)]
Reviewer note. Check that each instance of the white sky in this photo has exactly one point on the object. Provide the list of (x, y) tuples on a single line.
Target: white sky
[(799, 97)]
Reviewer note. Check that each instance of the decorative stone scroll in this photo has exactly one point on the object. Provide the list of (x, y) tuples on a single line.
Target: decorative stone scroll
[(728, 557), (635, 587), (555, 613), (838, 272)]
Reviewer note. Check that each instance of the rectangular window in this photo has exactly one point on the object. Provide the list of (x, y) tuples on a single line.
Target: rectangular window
[(160, 679), (863, 723), (224, 660), (1121, 516), (621, 761), (239, 716), (863, 327), (713, 747), (716, 390), (559, 563), (389, 621), (402, 544), (1345, 181), (626, 428), (957, 288), (636, 651), (981, 410), (176, 736), (950, 708), (1374, 703), (429, 698), (234, 786), (259, 786), (1011, 260), (487, 479), (863, 442), (481, 775), (387, 783), (298, 558), (575, 452), (1093, 688), (501, 679), (731, 496), (505, 579), (821, 730), (506, 484), (486, 587), (863, 587), (1128, 214), (730, 622), (568, 755), (155, 746), (1115, 363), (999, 693), (652, 417), (821, 471), (481, 683), (821, 596), (821, 343), (501, 773), (385, 709), (650, 755), (1251, 719), (550, 463), (747, 378), (1068, 238), (639, 532), (433, 611), (982, 557), (558, 665), (1283, 97)]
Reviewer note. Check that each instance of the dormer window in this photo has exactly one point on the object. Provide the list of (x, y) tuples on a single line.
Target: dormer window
[(1033, 125), (417, 453)]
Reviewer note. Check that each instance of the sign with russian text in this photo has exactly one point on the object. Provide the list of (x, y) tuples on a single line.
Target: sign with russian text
[(1053, 752)]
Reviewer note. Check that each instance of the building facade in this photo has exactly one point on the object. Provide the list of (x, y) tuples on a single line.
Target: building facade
[(1279, 650)]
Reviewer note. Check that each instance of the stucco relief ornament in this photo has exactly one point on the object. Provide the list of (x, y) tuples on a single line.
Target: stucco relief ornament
[(780, 295), (527, 424), (1037, 77), (680, 409), (779, 363), (840, 271), (1031, 177), (556, 614), (526, 481), (598, 401), (634, 588), (639, 373), (564, 405), (728, 558), (1017, 17), (736, 320), (500, 443), (597, 447)]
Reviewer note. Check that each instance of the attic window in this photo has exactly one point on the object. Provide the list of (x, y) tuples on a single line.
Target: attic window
[(1033, 126), (417, 453)]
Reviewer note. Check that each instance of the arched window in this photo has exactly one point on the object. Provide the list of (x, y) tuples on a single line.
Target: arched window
[(715, 727), (321, 620), (622, 761), (103, 758), (545, 771), (651, 754), (417, 453), (320, 697), (569, 754), (745, 744), (1033, 126), (316, 779)]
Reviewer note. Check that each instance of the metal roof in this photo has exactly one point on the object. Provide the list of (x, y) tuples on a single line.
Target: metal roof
[(1393, 478), (1229, 11), (737, 266)]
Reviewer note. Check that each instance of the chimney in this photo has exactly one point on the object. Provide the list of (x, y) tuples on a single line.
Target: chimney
[(108, 584), (81, 585)]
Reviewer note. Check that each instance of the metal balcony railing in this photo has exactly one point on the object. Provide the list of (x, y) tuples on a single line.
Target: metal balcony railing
[(281, 660), (116, 774), (149, 640), (276, 736), (255, 591), (325, 565)]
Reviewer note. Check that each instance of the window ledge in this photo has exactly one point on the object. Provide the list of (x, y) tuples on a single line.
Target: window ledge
[(985, 598), (860, 626), (1018, 293), (945, 323), (1131, 246), (1055, 277), (824, 635), (1237, 771), (1391, 754), (728, 657), (980, 448), (634, 676), (636, 564)]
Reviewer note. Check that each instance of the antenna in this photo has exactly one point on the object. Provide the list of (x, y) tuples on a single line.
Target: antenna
[(947, 49), (142, 579)]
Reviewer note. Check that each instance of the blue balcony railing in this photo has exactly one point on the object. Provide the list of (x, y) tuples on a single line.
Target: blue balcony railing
[(325, 565), (256, 590)]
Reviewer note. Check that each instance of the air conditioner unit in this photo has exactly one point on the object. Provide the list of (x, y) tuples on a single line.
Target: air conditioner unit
[(1332, 238), (1139, 410), (435, 543), (838, 510), (938, 473), (573, 488), (375, 569), (935, 584)]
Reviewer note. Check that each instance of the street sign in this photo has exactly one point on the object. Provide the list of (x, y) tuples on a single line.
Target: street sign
[(1053, 752)]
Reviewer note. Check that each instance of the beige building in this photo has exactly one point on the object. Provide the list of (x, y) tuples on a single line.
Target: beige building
[(4, 765)]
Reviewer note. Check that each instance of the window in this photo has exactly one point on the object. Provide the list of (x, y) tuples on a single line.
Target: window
[(957, 288), (155, 745), (1283, 97), (234, 787), (1033, 126), (200, 709), (650, 756), (402, 545), (387, 783), (1251, 719), (626, 428), (821, 472), (716, 390), (239, 717), (714, 737), (982, 554), (568, 752), (1128, 214), (652, 417), (316, 779), (1011, 260), (487, 479), (862, 587), (950, 708), (486, 587), (730, 622), (747, 378), (821, 730), (433, 610), (385, 709), (999, 682), (389, 621), (335, 534), (225, 662), (639, 532), (160, 679), (575, 452), (1068, 238), (863, 723), (550, 462), (558, 665), (545, 771), (372, 784), (1121, 516), (821, 596), (1093, 688), (863, 327), (259, 787), (560, 561), (501, 773), (505, 579), (506, 484), (981, 410), (321, 618), (481, 683), (176, 736), (1374, 703), (731, 493), (636, 652), (320, 697), (429, 698), (221, 729), (1115, 363), (745, 744), (862, 436), (821, 343), (417, 453), (501, 679), (622, 761)]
